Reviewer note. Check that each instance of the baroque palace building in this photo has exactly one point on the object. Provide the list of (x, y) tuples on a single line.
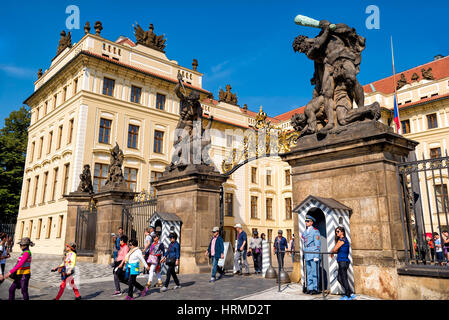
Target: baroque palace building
[(98, 92)]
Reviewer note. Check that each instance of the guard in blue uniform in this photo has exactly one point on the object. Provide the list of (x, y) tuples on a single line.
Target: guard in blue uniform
[(312, 243)]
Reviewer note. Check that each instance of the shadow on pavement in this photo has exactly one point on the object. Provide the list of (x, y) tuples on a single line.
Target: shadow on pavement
[(92, 295)]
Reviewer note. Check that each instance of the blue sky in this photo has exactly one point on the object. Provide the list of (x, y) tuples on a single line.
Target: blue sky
[(245, 43)]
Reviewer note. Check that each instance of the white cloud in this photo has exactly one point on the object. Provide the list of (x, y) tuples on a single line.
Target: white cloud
[(17, 72)]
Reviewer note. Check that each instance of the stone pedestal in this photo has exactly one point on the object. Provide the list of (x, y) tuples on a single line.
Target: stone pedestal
[(357, 168), (193, 194), (109, 218), (74, 200)]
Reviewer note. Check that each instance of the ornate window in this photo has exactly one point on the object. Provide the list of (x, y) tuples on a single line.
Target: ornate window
[(269, 208), (105, 131), (131, 178), (136, 93), (158, 141), (108, 87), (228, 204), (100, 176), (254, 207), (160, 101), (432, 121), (288, 208), (133, 135)]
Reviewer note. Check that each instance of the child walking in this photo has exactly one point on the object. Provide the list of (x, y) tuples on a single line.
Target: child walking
[(21, 273), (67, 270)]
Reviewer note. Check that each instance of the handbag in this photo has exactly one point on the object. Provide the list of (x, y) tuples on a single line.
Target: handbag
[(153, 259), (171, 262)]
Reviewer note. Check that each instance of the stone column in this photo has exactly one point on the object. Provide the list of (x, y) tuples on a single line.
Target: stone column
[(109, 218), (75, 200), (194, 195), (357, 168)]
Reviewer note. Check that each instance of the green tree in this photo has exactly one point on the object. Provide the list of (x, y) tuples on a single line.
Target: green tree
[(13, 147)]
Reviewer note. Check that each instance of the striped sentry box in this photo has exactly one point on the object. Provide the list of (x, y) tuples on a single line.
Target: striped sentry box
[(336, 214), (169, 222)]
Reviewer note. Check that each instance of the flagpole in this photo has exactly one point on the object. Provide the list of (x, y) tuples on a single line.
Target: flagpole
[(395, 99)]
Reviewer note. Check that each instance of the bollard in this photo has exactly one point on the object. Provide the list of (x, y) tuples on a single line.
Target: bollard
[(271, 272)]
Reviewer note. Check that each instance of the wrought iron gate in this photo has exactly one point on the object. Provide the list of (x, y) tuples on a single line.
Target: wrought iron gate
[(424, 208), (136, 217), (86, 230)]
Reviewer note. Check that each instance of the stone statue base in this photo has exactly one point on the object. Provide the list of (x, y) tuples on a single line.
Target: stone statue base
[(192, 192), (357, 168)]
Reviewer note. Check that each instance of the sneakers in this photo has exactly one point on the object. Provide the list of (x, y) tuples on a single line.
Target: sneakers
[(220, 276), (352, 297), (177, 287), (144, 292), (129, 298), (163, 289), (117, 293), (159, 284), (344, 298), (212, 280)]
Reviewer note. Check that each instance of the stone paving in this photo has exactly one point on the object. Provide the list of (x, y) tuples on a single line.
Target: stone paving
[(96, 283)]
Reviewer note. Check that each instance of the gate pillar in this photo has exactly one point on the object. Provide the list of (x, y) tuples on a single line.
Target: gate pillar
[(109, 218), (193, 194), (75, 200), (357, 167)]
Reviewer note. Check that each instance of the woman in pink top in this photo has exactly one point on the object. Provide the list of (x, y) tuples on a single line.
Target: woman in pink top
[(119, 274), (21, 272)]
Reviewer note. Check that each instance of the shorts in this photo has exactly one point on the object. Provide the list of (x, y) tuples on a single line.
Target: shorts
[(439, 256)]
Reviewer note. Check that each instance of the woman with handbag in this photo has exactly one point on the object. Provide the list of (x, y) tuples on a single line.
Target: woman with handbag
[(119, 275), (171, 259), (255, 248), (67, 269), (154, 260), (132, 267), (21, 272)]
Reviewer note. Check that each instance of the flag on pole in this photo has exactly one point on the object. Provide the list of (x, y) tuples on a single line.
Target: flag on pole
[(396, 115), (395, 107)]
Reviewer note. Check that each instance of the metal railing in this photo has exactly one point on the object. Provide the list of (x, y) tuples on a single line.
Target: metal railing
[(424, 208), (136, 217)]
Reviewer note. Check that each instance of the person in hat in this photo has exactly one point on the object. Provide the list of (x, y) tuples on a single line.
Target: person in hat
[(67, 270), (215, 252), (21, 273), (255, 247), (312, 243), (241, 250), (280, 245), (171, 259)]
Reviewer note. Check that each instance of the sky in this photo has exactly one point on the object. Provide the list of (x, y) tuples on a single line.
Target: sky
[(244, 43)]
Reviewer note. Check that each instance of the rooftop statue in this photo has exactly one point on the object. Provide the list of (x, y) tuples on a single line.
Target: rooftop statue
[(64, 42), (227, 96), (336, 53), (149, 38), (401, 82)]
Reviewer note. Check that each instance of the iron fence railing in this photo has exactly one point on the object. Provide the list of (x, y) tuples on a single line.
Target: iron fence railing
[(136, 217), (424, 206)]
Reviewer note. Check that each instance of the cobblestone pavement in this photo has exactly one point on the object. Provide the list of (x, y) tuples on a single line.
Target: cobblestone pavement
[(96, 283)]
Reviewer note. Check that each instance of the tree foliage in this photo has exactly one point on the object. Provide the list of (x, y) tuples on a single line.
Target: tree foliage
[(13, 147)]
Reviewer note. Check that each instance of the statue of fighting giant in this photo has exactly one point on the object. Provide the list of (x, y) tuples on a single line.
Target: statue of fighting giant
[(336, 52)]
